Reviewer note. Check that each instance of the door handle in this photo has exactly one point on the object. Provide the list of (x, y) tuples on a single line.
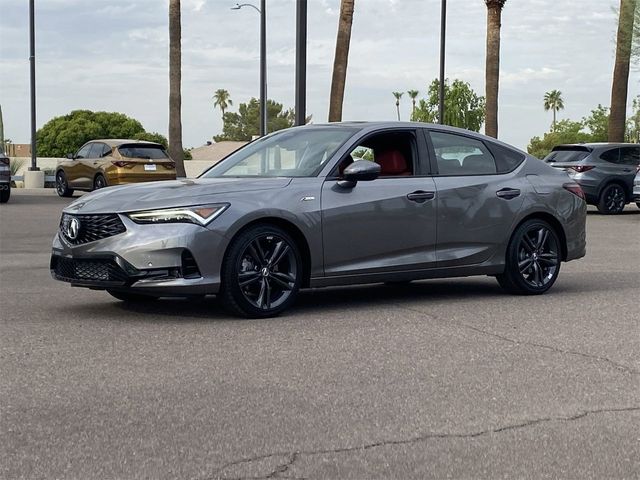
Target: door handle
[(508, 193), (421, 196)]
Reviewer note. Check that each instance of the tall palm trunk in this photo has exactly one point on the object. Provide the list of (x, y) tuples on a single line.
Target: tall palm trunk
[(175, 78), (398, 109), (620, 84), (554, 119), (340, 62), (492, 68)]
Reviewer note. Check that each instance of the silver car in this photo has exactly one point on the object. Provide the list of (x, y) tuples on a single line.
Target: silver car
[(636, 189), (605, 171), (299, 209)]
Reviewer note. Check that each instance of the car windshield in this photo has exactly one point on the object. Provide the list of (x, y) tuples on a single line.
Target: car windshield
[(300, 152), (567, 155), (143, 151)]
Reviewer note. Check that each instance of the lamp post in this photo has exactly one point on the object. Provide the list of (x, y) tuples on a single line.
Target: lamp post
[(263, 60), (443, 28), (32, 65), (301, 62)]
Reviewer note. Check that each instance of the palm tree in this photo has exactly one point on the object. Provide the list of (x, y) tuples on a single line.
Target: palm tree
[(175, 78), (492, 68), (340, 62), (398, 96), (553, 101), (620, 84), (413, 94), (222, 99)]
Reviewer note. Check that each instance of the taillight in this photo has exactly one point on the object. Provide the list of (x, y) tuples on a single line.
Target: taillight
[(575, 189), (169, 165), (120, 164), (582, 168), (4, 160)]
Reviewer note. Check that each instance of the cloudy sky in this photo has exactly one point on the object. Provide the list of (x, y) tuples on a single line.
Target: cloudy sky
[(113, 55)]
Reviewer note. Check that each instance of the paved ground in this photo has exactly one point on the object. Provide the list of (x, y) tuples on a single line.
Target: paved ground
[(440, 379)]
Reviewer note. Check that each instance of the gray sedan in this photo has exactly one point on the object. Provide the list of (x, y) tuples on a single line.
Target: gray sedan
[(303, 208)]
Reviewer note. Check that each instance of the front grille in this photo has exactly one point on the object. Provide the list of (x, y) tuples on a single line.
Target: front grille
[(89, 228), (91, 271)]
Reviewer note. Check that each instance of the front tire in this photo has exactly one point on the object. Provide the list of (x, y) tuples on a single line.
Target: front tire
[(262, 273), (5, 193), (62, 187), (533, 259), (612, 200)]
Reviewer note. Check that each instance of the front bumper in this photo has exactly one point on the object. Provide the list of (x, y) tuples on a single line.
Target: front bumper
[(171, 260)]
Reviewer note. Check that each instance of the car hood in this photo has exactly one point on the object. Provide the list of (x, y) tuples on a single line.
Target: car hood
[(167, 194)]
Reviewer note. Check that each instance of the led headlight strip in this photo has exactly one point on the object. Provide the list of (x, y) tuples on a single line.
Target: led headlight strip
[(198, 214)]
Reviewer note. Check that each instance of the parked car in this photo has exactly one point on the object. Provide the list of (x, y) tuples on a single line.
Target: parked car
[(636, 189), (102, 163), (294, 210), (605, 171), (5, 178)]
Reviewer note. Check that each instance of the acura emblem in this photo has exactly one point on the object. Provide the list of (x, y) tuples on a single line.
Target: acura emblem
[(73, 228)]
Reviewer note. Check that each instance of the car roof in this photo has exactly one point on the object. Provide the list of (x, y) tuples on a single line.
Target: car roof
[(599, 145), (116, 142)]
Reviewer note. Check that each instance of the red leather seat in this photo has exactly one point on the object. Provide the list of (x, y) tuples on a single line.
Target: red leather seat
[(392, 163)]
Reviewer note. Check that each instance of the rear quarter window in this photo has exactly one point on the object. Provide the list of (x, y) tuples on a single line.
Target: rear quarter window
[(611, 156), (507, 160)]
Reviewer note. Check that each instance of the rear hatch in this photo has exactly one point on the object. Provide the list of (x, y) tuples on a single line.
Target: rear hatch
[(144, 157), (570, 158)]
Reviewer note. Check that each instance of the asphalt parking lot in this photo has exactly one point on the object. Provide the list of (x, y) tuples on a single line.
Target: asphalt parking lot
[(437, 379)]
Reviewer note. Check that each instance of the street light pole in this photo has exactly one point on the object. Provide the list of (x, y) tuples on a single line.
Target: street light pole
[(263, 60), (443, 27), (301, 62), (32, 64)]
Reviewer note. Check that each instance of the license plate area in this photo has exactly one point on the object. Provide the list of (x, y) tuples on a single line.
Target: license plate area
[(150, 167)]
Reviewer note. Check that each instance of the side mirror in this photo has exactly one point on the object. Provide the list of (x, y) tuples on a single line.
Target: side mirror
[(359, 171), (70, 156)]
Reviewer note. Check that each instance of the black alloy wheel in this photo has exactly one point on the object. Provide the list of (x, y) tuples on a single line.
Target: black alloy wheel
[(533, 259), (99, 182), (612, 200), (262, 272), (62, 187)]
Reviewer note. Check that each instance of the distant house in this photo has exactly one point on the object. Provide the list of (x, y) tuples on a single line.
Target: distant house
[(215, 152)]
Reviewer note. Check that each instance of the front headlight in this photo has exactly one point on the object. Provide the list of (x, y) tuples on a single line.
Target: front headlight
[(198, 214)]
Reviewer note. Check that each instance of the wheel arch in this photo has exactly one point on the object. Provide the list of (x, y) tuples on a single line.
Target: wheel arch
[(554, 222), (628, 192), (291, 229)]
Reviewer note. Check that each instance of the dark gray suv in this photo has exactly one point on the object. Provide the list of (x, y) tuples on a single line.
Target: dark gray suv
[(605, 171)]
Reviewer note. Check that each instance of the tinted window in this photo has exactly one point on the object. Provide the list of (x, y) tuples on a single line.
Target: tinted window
[(393, 151), (506, 159), (106, 150), (612, 156), (96, 150), (143, 151), (84, 151), (458, 155), (564, 154), (630, 156)]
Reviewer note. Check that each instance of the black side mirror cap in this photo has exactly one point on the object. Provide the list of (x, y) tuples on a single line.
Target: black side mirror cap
[(361, 170)]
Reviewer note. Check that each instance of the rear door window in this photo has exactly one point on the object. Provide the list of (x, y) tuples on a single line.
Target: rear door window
[(506, 159), (630, 156), (460, 155), (611, 156), (147, 152)]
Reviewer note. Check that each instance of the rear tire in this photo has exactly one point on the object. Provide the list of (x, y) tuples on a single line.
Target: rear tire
[(262, 273), (131, 297), (99, 182), (5, 193), (62, 187), (612, 200), (533, 259)]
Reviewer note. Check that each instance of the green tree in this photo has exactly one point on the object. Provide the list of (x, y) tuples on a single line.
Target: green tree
[(597, 124), (398, 96), (553, 101), (413, 94), (245, 124), (67, 133), (222, 100), (463, 107)]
